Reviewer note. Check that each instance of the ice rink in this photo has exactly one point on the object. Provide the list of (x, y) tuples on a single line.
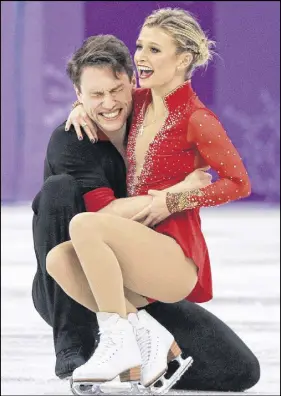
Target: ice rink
[(244, 243)]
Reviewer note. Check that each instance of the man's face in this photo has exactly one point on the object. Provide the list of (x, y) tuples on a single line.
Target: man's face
[(106, 99)]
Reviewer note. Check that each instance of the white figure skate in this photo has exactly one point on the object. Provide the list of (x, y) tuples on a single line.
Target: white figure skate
[(158, 348), (117, 354)]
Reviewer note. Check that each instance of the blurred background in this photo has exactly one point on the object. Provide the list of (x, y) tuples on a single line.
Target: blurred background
[(241, 85)]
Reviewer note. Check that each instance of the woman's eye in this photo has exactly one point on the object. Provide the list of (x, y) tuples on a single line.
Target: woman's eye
[(154, 50), (138, 46)]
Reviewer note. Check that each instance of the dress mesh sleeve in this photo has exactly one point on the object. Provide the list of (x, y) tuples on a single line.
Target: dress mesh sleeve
[(208, 135)]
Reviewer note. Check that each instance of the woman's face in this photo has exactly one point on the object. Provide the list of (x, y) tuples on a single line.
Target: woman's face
[(155, 58)]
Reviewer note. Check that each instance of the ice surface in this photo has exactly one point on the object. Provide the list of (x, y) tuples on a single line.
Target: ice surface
[(244, 244)]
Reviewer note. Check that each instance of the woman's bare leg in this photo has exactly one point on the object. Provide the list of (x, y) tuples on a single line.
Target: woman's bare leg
[(115, 252), (64, 266)]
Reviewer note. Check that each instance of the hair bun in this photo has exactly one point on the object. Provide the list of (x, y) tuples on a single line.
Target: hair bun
[(205, 53)]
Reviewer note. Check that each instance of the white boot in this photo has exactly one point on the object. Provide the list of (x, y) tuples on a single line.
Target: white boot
[(157, 346), (117, 353)]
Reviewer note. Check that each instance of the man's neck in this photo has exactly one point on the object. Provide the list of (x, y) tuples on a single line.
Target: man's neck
[(117, 137)]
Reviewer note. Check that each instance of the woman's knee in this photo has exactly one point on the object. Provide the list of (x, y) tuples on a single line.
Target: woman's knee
[(173, 298), (182, 289), (56, 260), (50, 262), (87, 223)]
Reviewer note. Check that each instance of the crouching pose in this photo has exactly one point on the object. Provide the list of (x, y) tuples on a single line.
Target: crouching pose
[(114, 265)]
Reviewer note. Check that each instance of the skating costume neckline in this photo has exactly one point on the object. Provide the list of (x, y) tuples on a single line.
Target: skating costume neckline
[(173, 101)]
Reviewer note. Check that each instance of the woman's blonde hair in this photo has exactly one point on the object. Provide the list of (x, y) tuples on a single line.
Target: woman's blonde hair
[(186, 33)]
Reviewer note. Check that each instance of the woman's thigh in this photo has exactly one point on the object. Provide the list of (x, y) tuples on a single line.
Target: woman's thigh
[(63, 261), (152, 264)]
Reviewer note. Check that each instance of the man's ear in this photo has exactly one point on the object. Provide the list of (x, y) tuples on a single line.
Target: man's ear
[(134, 81)]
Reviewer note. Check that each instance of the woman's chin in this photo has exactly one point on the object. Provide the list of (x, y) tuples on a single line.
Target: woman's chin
[(145, 83)]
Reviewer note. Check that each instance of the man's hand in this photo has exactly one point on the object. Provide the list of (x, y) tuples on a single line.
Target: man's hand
[(198, 178), (158, 208), (79, 118), (157, 211), (142, 215)]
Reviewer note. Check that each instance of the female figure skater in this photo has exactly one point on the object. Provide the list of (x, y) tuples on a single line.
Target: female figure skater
[(113, 265)]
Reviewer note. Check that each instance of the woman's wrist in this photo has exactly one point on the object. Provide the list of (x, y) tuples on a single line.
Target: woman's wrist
[(75, 104), (178, 202)]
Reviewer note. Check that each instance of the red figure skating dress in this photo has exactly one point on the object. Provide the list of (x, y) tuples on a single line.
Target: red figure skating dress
[(191, 137)]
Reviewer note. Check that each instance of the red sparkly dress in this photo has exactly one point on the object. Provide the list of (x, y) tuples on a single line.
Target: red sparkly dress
[(191, 137)]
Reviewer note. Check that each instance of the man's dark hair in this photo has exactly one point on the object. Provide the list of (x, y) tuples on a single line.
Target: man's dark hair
[(101, 50)]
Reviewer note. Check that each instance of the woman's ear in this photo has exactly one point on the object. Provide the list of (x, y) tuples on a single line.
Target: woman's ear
[(185, 60)]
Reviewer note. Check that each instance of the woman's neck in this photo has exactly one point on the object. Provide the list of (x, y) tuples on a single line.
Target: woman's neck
[(158, 94)]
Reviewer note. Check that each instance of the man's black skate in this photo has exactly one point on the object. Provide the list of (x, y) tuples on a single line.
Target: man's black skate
[(68, 360)]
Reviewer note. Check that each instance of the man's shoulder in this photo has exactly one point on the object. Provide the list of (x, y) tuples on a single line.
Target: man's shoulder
[(60, 134), (67, 138), (68, 142), (60, 127)]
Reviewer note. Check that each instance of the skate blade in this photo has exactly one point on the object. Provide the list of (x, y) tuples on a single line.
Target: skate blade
[(107, 388), (121, 388), (167, 384), (79, 388)]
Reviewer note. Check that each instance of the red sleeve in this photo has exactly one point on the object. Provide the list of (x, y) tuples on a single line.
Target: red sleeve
[(213, 144), (98, 198)]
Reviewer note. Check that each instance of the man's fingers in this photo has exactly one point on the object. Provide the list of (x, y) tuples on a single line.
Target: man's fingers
[(137, 217), (205, 176), (208, 178), (205, 168), (148, 221), (142, 214), (155, 222)]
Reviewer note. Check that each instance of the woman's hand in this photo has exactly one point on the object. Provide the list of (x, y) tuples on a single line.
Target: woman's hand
[(79, 118)]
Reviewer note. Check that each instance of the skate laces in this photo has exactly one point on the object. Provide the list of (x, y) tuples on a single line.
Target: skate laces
[(144, 343), (108, 344)]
